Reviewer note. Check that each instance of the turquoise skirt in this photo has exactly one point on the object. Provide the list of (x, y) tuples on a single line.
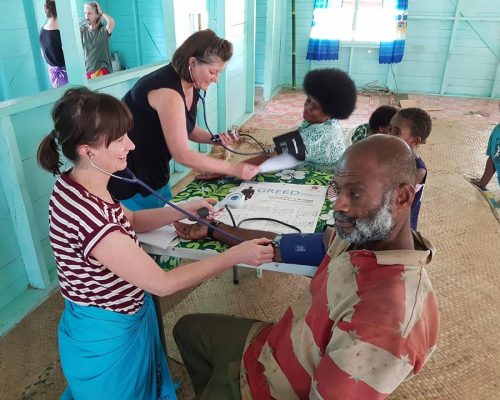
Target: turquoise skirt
[(139, 202), (108, 355)]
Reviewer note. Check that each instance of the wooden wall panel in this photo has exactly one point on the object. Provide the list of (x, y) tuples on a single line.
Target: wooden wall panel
[(429, 62)]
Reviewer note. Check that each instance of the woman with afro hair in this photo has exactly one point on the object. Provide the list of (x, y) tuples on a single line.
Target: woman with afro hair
[(331, 95)]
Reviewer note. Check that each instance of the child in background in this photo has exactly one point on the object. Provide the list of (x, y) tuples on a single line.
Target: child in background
[(413, 125), (378, 123), (493, 162)]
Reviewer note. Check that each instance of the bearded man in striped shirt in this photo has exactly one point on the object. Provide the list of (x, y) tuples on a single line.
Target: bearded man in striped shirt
[(369, 319)]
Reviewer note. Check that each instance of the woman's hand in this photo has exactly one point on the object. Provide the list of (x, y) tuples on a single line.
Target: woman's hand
[(245, 171), (194, 206), (254, 252), (190, 231)]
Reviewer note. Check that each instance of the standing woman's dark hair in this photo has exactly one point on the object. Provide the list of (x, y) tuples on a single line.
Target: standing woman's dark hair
[(204, 45), (50, 9), (81, 117)]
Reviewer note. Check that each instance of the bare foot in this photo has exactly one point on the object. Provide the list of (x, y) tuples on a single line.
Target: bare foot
[(477, 183)]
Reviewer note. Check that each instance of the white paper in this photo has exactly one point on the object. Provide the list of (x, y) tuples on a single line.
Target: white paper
[(161, 237), (297, 205), (279, 162)]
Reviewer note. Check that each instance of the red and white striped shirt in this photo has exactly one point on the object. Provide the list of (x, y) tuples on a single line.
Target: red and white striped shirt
[(368, 321), (78, 221)]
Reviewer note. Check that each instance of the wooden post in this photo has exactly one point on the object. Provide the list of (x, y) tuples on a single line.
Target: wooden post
[(21, 211), (67, 15), (450, 46)]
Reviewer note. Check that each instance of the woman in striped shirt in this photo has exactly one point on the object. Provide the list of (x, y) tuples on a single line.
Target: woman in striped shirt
[(108, 334)]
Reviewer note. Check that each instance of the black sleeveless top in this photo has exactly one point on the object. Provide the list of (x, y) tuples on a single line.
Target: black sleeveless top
[(50, 43), (149, 161)]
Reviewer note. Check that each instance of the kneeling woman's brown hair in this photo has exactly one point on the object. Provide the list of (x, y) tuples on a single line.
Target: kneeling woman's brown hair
[(82, 117)]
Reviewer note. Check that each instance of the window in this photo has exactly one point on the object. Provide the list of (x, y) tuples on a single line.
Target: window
[(357, 20), (190, 17)]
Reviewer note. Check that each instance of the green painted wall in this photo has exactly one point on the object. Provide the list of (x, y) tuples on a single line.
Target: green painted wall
[(449, 50), (260, 40), (21, 69)]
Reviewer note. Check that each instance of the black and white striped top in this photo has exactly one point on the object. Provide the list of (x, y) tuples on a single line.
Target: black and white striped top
[(78, 220)]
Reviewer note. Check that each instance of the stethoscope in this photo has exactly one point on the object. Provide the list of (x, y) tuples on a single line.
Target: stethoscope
[(202, 212), (215, 138)]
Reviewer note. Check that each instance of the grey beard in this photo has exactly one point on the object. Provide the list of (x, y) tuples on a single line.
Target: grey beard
[(376, 227)]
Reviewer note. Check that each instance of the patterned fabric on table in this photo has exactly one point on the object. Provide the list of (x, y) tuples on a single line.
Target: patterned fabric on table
[(220, 188)]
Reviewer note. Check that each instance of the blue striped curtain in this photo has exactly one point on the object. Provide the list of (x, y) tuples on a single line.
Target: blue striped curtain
[(392, 51), (322, 46)]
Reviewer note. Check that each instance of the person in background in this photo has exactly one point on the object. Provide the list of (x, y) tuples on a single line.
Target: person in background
[(164, 107), (493, 161), (369, 319), (95, 40), (51, 46), (378, 123), (331, 95), (108, 333), (414, 126)]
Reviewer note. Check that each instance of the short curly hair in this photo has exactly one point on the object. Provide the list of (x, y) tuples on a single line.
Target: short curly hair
[(334, 90), (420, 121), (381, 117)]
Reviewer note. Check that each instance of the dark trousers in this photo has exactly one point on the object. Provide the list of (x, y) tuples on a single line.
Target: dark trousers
[(211, 346)]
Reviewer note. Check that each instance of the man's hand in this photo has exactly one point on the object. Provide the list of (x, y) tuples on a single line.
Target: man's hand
[(190, 231)]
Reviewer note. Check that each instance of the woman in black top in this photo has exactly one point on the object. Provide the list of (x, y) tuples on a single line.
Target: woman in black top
[(50, 43), (164, 104)]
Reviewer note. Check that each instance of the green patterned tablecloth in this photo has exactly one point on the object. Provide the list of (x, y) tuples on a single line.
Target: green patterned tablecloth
[(220, 188)]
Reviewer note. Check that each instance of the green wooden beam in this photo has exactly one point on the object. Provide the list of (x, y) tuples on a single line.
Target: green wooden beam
[(169, 28), (40, 69), (462, 17), (450, 46), (268, 52), (494, 86), (351, 58), (490, 44), (294, 47), (21, 211), (217, 22), (137, 32), (250, 56), (67, 15)]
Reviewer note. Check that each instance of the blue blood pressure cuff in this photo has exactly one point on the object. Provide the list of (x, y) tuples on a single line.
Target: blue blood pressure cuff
[(302, 248)]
